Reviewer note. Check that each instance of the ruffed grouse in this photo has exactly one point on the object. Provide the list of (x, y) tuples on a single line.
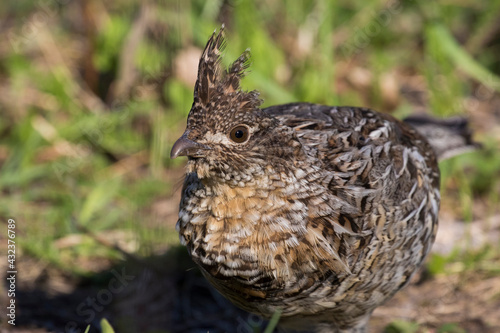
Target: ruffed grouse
[(320, 212)]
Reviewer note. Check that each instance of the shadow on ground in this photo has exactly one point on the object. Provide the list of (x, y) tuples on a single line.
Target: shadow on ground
[(158, 294)]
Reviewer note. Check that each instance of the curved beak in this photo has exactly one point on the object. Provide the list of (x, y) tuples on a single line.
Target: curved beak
[(187, 147)]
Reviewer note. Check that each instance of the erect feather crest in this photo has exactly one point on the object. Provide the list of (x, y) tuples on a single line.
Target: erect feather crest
[(214, 81)]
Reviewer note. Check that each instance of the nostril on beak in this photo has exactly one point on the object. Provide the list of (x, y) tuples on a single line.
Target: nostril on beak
[(183, 146)]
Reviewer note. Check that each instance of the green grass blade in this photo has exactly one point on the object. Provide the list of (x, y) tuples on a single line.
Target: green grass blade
[(273, 322), (462, 59), (98, 198), (106, 327)]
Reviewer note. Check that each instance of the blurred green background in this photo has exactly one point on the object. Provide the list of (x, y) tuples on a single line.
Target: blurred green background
[(93, 94)]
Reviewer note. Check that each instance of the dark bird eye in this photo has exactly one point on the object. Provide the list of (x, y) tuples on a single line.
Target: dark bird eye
[(239, 134)]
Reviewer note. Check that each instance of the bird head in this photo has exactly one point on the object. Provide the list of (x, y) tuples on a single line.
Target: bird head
[(227, 134)]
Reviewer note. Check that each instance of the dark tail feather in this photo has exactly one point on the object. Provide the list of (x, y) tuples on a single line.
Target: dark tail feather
[(448, 137)]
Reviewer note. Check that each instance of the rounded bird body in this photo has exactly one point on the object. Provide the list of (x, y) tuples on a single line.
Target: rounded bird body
[(319, 212)]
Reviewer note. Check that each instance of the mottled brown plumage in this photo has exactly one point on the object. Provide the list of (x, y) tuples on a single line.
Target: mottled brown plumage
[(320, 212)]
